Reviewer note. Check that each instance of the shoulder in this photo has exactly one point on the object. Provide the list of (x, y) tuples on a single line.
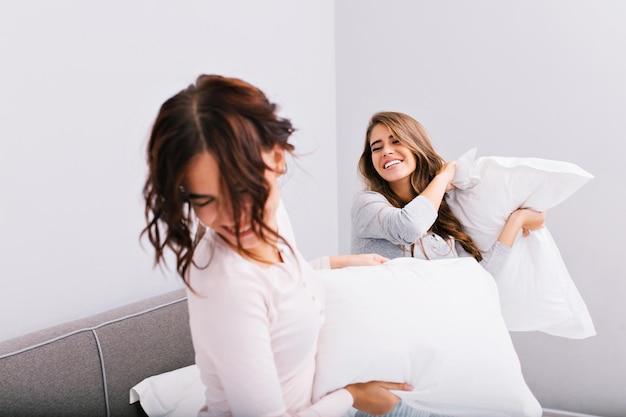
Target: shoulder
[(364, 197), (368, 203)]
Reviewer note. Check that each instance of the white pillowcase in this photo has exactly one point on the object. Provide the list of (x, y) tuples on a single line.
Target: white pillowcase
[(536, 290), (434, 324), (178, 393)]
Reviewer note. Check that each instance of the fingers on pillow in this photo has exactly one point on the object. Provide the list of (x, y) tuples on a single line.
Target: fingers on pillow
[(398, 386)]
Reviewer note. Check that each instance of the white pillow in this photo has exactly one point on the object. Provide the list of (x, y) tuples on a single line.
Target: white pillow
[(434, 324), (492, 187), (536, 290), (178, 393)]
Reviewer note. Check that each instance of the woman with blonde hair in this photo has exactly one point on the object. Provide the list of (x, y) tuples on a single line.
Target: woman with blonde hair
[(403, 211)]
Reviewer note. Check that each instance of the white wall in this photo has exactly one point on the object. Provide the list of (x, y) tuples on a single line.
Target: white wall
[(533, 78), (81, 83)]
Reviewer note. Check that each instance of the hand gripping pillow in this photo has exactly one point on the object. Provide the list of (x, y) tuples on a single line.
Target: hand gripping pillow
[(434, 324), (536, 290)]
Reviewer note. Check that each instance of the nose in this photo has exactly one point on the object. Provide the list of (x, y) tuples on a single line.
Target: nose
[(387, 150)]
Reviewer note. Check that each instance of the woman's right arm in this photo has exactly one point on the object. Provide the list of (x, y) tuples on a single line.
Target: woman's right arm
[(373, 217), (374, 397), (371, 397), (234, 351), (242, 379), (230, 326), (438, 186)]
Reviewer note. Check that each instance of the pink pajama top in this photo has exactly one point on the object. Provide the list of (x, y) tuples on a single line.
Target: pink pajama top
[(255, 334)]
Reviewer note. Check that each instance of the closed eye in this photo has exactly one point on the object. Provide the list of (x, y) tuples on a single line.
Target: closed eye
[(200, 200), (197, 203), (376, 145)]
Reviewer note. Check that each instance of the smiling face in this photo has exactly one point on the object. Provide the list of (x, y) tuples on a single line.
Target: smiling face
[(393, 161), (202, 185)]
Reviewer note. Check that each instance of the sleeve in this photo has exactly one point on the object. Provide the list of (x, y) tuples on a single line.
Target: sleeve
[(320, 263), (335, 404), (374, 218), (234, 353), (493, 259)]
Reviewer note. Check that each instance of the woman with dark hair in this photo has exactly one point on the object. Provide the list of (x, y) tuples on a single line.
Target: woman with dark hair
[(403, 211), (215, 154)]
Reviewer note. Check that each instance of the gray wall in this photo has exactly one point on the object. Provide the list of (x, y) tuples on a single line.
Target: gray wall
[(534, 78), (80, 84)]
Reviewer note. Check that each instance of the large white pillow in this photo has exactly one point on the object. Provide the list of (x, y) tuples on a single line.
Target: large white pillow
[(536, 290), (434, 324)]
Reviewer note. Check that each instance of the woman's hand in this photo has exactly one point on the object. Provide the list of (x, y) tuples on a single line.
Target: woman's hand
[(530, 219), (374, 397), (442, 182), (523, 219), (447, 172), (365, 259)]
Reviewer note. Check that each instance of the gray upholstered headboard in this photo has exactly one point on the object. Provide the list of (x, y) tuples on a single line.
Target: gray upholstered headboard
[(87, 367)]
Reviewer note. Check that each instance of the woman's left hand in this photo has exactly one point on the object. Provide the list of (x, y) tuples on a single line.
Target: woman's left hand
[(531, 220), (364, 259), (523, 219), (374, 397)]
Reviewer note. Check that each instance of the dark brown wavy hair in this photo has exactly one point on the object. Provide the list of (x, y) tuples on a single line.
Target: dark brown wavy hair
[(412, 134), (234, 121)]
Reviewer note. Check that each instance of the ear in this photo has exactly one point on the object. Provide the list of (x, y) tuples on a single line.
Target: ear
[(275, 159)]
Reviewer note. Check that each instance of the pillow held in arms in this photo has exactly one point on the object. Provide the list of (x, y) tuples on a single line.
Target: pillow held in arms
[(536, 290), (434, 324)]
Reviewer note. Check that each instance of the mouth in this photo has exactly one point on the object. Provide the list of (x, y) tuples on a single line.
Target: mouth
[(391, 163), (242, 232)]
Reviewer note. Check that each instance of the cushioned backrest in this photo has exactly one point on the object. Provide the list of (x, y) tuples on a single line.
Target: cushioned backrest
[(59, 378), (87, 367), (156, 341)]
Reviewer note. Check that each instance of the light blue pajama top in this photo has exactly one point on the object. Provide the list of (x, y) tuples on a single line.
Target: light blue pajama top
[(379, 227)]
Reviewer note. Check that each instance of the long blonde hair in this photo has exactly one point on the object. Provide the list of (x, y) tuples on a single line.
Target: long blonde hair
[(412, 134)]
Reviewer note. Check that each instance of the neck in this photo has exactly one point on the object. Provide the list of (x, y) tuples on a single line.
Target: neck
[(403, 190), (265, 255), (266, 252)]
